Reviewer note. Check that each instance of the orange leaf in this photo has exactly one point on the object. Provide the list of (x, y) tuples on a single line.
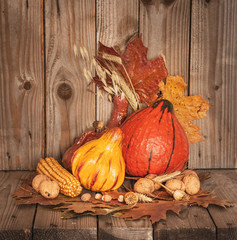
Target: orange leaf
[(186, 108)]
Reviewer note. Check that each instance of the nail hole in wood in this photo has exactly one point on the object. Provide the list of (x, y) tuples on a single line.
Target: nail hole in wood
[(64, 91)]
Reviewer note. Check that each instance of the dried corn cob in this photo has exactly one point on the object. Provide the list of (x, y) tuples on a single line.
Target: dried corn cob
[(68, 184)]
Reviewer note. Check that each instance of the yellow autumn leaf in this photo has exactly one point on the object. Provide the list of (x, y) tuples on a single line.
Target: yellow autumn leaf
[(186, 108)]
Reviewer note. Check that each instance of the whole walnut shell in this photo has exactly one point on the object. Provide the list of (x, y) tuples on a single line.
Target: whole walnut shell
[(190, 172), (175, 184), (49, 189), (144, 185), (192, 184), (152, 176), (37, 180)]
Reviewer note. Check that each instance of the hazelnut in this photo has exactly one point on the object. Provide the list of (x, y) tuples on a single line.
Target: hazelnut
[(121, 198), (106, 198), (85, 197), (98, 196), (180, 195)]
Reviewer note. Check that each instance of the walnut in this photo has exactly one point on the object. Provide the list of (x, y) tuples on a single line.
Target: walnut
[(189, 172), (49, 189), (37, 180), (175, 184), (144, 185), (85, 197)]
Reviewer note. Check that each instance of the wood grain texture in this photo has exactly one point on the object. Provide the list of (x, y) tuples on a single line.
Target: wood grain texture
[(70, 107), (115, 228), (224, 183), (192, 223), (21, 84), (49, 225), (117, 22), (15, 221), (213, 73), (164, 26)]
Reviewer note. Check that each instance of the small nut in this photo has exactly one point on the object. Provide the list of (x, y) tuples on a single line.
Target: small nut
[(98, 125), (85, 197), (98, 196), (106, 198), (120, 198), (178, 195)]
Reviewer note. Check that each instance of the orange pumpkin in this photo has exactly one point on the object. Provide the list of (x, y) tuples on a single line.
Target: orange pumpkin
[(154, 141), (99, 164)]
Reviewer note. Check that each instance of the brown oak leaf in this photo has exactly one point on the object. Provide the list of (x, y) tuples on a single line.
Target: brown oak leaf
[(94, 208), (205, 198), (186, 108), (155, 210)]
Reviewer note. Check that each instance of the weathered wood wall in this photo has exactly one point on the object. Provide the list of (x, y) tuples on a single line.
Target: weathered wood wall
[(44, 101)]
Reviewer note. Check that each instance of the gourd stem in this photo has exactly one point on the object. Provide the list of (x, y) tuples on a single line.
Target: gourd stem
[(119, 111)]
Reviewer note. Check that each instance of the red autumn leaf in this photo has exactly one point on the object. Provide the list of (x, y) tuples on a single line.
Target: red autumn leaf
[(145, 75)]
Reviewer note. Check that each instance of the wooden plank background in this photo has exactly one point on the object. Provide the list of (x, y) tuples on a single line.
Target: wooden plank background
[(45, 102)]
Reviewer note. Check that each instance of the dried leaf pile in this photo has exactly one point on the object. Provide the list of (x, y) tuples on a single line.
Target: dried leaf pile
[(155, 211)]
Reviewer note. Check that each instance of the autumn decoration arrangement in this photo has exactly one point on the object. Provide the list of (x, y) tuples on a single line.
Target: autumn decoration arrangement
[(136, 166)]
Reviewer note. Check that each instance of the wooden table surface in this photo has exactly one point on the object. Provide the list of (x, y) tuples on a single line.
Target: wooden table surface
[(37, 222)]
